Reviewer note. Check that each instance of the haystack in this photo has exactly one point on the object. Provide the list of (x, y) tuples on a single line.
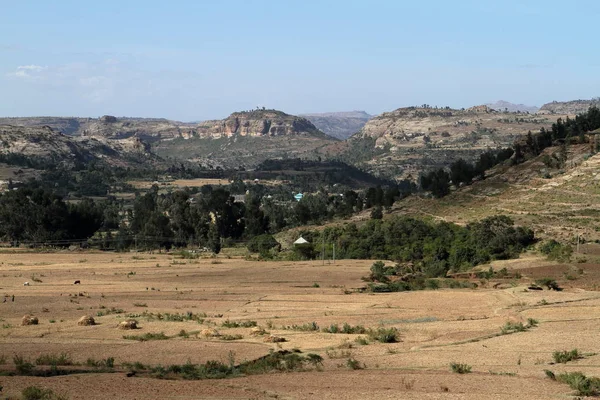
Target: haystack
[(210, 332), (274, 339), (86, 320), (257, 331), (128, 324), (29, 320)]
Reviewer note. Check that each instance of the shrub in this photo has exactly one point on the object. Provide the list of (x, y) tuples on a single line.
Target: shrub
[(239, 324), (147, 336), (460, 368), (550, 283), (564, 357), (585, 386), (54, 359), (385, 335), (23, 366), (37, 393), (354, 364), (263, 243)]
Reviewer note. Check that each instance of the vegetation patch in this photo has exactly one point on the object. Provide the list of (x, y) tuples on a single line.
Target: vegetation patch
[(565, 356), (460, 368), (583, 385), (147, 336)]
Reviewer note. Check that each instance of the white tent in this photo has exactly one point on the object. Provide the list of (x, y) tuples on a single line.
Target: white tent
[(301, 240)]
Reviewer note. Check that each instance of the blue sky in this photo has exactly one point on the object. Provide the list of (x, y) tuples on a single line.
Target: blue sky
[(195, 60)]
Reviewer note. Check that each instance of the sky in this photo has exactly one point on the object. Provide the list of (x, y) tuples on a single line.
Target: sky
[(196, 60)]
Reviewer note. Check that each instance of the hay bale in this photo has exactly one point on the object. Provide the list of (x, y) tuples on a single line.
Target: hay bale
[(274, 339), (29, 320), (86, 320), (210, 332), (258, 331), (128, 324)]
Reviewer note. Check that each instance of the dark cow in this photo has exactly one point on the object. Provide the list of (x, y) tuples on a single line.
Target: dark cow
[(77, 282)]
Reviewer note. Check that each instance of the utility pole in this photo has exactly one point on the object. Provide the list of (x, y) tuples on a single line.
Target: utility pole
[(323, 250), (334, 253)]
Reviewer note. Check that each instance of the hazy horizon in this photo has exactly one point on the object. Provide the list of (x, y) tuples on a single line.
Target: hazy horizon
[(193, 61)]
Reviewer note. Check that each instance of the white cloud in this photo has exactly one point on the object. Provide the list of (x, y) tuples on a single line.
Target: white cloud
[(28, 72)]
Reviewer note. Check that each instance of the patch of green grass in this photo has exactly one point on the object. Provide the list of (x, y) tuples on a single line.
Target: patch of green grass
[(54, 359), (106, 363)]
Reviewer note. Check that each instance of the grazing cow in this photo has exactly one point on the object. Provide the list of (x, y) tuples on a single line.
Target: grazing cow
[(77, 282), (26, 284)]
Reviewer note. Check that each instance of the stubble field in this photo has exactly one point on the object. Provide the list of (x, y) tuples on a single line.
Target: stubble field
[(436, 328)]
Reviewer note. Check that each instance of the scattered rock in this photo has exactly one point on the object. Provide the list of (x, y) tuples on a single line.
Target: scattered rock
[(86, 320), (128, 324), (274, 339), (210, 332), (29, 320), (257, 331)]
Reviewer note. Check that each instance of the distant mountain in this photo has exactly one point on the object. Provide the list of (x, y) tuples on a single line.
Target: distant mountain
[(257, 123), (340, 125), (572, 107), (511, 107)]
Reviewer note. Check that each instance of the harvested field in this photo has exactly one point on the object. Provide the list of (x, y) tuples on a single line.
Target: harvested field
[(177, 303)]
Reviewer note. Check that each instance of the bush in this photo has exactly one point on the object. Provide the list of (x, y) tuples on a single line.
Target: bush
[(550, 283), (385, 335), (460, 368), (37, 393), (556, 251), (263, 243), (147, 336), (54, 359), (585, 386), (564, 357), (354, 364)]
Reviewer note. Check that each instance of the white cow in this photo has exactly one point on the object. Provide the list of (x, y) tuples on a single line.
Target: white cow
[(26, 284)]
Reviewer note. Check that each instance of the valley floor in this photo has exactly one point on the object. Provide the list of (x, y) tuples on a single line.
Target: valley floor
[(436, 328)]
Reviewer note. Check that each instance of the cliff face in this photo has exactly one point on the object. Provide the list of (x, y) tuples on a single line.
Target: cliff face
[(340, 125), (412, 140), (257, 123), (43, 144), (569, 107)]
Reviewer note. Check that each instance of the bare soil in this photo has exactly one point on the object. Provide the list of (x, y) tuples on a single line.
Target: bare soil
[(437, 327)]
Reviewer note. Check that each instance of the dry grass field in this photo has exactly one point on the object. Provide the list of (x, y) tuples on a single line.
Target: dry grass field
[(436, 328)]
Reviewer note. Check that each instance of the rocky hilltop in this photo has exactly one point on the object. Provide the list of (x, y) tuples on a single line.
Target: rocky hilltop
[(256, 123), (340, 125), (573, 107), (407, 141), (502, 105), (39, 146)]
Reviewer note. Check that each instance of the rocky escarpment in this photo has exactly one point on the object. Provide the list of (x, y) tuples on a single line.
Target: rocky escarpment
[(38, 146), (569, 107), (340, 125), (408, 141), (257, 123)]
